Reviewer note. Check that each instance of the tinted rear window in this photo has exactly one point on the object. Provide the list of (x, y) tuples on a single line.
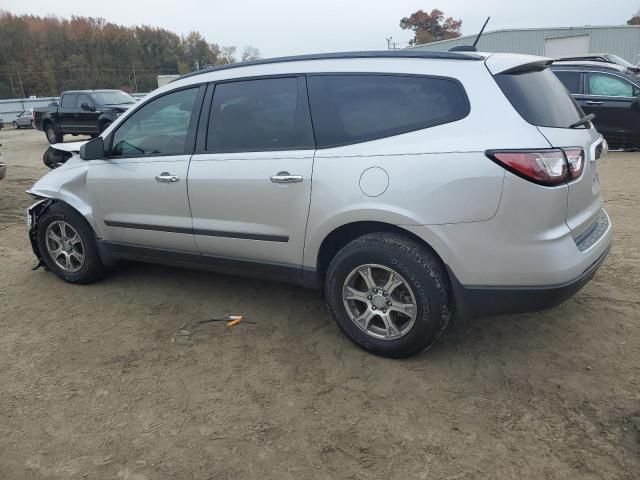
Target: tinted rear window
[(571, 80), (356, 108), (540, 98)]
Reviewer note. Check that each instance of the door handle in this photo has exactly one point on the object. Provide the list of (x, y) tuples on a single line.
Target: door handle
[(166, 177), (593, 102), (286, 177)]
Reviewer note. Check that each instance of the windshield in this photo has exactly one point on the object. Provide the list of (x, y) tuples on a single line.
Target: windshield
[(619, 61), (113, 98)]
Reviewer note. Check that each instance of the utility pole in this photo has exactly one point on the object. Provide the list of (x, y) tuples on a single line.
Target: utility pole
[(389, 43), (13, 92), (135, 79), (21, 86)]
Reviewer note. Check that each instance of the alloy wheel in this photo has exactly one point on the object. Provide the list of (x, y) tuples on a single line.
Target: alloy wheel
[(379, 301), (65, 246)]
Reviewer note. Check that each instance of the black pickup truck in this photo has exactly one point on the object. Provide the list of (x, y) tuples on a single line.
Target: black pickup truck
[(81, 112)]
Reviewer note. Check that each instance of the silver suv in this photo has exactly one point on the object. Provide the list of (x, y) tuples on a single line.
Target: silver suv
[(409, 186)]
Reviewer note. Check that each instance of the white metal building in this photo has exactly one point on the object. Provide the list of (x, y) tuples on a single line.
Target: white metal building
[(621, 40)]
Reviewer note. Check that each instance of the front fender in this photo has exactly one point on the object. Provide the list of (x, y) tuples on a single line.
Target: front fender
[(68, 184)]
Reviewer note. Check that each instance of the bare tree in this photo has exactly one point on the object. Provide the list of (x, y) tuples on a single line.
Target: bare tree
[(227, 55), (250, 53)]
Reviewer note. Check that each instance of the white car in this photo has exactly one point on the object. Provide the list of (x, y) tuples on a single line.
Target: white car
[(409, 186)]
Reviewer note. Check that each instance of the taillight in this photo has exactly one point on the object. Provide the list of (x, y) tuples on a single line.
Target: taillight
[(545, 167), (575, 158)]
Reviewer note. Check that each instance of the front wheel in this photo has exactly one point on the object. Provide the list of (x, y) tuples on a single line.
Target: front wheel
[(15, 125), (388, 294), (104, 125), (67, 245)]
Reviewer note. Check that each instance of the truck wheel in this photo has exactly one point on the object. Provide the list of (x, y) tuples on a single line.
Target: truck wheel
[(67, 245), (54, 135), (104, 125), (388, 294)]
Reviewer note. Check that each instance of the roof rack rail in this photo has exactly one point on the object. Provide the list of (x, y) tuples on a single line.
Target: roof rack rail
[(342, 55)]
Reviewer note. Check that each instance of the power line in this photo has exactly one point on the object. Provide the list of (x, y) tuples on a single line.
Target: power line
[(117, 70)]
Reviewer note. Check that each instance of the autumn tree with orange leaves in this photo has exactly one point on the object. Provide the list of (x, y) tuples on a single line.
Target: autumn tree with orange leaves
[(431, 27)]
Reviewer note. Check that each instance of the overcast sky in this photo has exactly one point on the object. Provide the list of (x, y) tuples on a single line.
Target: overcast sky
[(285, 27)]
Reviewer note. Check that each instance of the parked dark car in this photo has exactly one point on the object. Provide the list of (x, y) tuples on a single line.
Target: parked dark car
[(611, 94), (24, 120), (604, 58), (81, 112), (3, 167)]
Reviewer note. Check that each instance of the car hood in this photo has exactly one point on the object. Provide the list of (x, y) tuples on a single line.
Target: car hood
[(71, 147)]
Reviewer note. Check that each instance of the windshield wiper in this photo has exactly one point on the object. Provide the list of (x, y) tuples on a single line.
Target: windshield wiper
[(583, 120)]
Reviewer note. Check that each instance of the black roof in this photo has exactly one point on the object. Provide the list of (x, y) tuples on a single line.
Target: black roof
[(344, 55)]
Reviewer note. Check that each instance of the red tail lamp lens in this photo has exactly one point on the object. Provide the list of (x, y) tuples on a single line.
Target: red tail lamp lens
[(544, 167)]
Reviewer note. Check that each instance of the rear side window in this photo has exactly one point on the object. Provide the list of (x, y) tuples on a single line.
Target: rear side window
[(571, 80), (540, 98), (68, 101), (258, 115), (356, 108)]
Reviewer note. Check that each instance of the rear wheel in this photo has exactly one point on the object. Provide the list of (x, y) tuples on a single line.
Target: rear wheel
[(388, 294), (53, 134), (33, 124), (67, 245)]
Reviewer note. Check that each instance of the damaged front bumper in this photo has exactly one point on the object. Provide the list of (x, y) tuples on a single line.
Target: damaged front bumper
[(33, 214)]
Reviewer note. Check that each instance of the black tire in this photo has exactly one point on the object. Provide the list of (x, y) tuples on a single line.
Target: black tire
[(92, 268), (423, 274), (33, 124), (53, 133), (104, 125), (15, 125)]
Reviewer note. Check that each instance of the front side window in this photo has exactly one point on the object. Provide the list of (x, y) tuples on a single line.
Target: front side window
[(609, 86), (354, 108), (258, 115), (571, 80), (158, 128), (69, 101), (82, 98)]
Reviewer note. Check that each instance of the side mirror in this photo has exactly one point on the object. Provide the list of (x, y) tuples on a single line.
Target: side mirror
[(86, 106), (93, 149)]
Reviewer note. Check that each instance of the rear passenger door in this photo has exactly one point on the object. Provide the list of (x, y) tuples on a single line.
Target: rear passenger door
[(250, 178), (67, 112)]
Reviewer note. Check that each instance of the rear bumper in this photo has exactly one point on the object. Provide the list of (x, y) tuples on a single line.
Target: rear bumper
[(478, 301)]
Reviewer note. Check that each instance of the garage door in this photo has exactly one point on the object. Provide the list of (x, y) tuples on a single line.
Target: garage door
[(566, 46)]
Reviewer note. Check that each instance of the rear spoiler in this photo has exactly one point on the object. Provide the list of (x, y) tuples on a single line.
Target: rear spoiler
[(529, 67), (511, 63)]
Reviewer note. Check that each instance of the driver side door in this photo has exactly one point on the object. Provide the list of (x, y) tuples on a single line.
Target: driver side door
[(139, 192), (613, 100)]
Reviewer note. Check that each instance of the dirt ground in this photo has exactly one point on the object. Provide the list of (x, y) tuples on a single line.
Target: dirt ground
[(91, 385)]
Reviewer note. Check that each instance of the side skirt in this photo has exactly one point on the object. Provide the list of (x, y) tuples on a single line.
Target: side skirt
[(233, 266)]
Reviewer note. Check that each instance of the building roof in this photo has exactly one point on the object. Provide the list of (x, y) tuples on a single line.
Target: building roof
[(536, 29)]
